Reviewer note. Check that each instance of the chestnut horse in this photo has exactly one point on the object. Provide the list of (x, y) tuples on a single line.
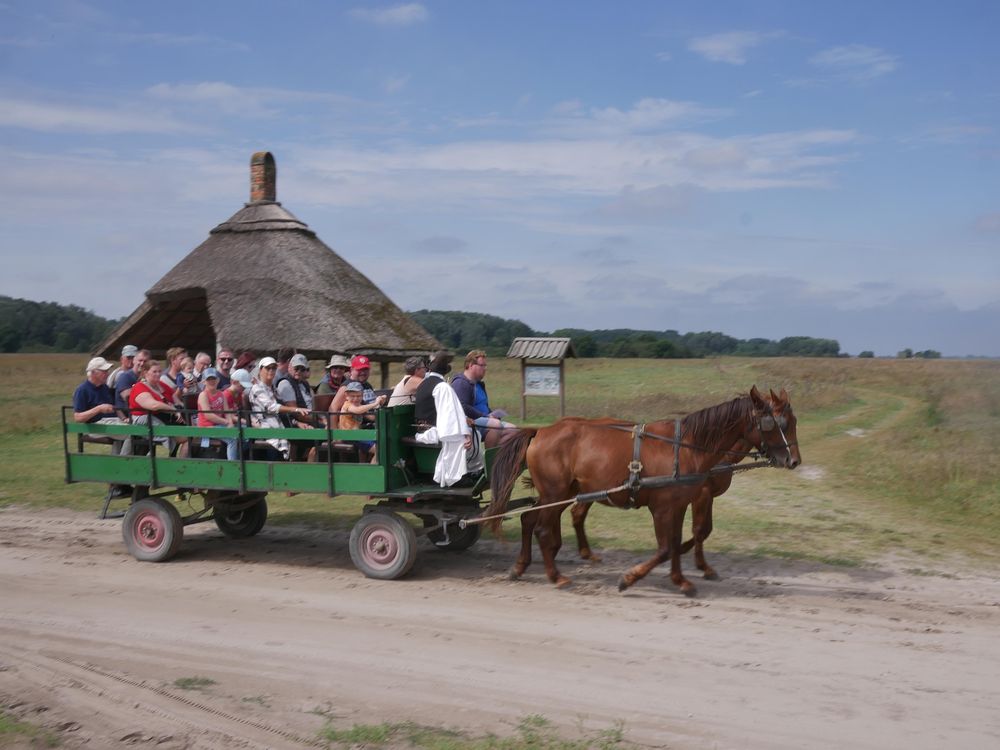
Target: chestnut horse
[(701, 514), (576, 456)]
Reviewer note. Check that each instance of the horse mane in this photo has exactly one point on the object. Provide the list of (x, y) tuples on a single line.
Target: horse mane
[(708, 427)]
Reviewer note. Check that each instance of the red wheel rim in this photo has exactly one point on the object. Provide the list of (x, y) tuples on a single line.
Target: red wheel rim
[(379, 547), (149, 530)]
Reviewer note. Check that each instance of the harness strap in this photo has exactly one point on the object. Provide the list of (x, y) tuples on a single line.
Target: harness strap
[(677, 448), (635, 465)]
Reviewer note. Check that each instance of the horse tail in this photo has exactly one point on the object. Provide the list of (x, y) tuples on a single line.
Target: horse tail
[(507, 467)]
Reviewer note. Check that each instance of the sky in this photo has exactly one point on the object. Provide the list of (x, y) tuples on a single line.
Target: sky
[(764, 169)]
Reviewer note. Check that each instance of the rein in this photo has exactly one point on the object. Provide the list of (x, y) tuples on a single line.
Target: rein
[(653, 482)]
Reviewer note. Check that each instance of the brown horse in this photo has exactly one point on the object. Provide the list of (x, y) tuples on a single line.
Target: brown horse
[(701, 514), (576, 456)]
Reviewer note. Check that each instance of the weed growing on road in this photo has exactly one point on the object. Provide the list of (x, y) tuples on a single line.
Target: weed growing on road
[(193, 683), (532, 732), (13, 732)]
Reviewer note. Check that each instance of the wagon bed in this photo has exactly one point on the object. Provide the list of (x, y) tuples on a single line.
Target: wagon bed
[(233, 494)]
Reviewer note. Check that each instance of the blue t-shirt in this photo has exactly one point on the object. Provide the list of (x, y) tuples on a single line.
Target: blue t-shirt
[(87, 396), (125, 381)]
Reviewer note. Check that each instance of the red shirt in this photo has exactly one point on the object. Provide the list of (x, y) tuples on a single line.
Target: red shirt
[(141, 387)]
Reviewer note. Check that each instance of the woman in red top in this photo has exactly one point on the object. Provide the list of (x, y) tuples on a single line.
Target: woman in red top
[(151, 396), (212, 405)]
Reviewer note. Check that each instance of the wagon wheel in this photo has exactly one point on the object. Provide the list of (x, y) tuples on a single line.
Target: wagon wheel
[(457, 540), (383, 546), (152, 530), (243, 523)]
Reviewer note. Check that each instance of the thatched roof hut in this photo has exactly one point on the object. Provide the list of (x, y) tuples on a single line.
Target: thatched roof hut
[(264, 280)]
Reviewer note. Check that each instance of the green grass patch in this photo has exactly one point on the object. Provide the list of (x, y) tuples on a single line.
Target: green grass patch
[(193, 683), (531, 733), (14, 731)]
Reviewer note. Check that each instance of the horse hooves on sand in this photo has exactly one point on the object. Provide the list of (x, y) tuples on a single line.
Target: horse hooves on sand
[(711, 575), (562, 582), (514, 574), (623, 583), (689, 591)]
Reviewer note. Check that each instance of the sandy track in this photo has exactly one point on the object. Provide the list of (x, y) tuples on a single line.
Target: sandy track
[(775, 655)]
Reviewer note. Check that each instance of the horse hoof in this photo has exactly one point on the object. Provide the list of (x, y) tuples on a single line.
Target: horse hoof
[(689, 591), (514, 574), (623, 583), (562, 582), (592, 558), (711, 575)]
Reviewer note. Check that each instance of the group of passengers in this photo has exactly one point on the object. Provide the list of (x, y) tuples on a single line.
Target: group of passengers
[(276, 393)]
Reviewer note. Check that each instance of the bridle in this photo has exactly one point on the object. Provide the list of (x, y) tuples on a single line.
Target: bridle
[(767, 422)]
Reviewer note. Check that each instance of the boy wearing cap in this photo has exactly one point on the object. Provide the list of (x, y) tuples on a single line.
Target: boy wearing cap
[(212, 407), (354, 411), (360, 369)]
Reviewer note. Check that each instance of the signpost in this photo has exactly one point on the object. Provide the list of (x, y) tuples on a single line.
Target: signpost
[(538, 379)]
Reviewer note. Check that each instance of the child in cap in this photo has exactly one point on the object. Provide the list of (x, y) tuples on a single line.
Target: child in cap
[(353, 410)]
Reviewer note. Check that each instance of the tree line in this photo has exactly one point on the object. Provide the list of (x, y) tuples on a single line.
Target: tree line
[(27, 326), (462, 331)]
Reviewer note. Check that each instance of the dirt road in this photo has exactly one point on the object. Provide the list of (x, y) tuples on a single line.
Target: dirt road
[(775, 655)]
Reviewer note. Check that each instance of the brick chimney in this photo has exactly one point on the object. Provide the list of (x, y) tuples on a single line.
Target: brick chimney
[(263, 178)]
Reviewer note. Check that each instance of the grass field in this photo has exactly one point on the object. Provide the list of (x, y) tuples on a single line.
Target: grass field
[(898, 456)]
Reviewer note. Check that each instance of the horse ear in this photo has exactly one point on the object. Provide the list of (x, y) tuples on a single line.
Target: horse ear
[(774, 396), (783, 395), (755, 396)]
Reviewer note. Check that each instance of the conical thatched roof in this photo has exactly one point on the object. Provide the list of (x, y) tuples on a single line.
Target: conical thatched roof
[(264, 280)]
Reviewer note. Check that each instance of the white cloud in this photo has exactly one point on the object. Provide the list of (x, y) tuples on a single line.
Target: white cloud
[(52, 117), (396, 15), (645, 116), (855, 62), (244, 100), (731, 46)]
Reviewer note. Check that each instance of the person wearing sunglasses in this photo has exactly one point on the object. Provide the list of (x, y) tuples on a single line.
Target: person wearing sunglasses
[(224, 366)]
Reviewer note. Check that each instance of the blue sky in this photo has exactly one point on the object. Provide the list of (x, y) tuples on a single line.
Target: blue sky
[(761, 168)]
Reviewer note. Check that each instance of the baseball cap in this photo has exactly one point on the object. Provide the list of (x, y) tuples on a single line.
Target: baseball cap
[(360, 362), (299, 360), (242, 377), (354, 385), (210, 372), (129, 350), (98, 363), (266, 362), (339, 360)]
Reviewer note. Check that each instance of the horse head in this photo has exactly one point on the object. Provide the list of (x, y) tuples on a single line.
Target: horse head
[(772, 428)]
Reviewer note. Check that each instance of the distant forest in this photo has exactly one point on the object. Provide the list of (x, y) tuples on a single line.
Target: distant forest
[(462, 331), (27, 326)]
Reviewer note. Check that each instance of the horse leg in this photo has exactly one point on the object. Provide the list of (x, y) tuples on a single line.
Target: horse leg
[(528, 521), (668, 527), (674, 518), (579, 512), (549, 535), (701, 523)]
